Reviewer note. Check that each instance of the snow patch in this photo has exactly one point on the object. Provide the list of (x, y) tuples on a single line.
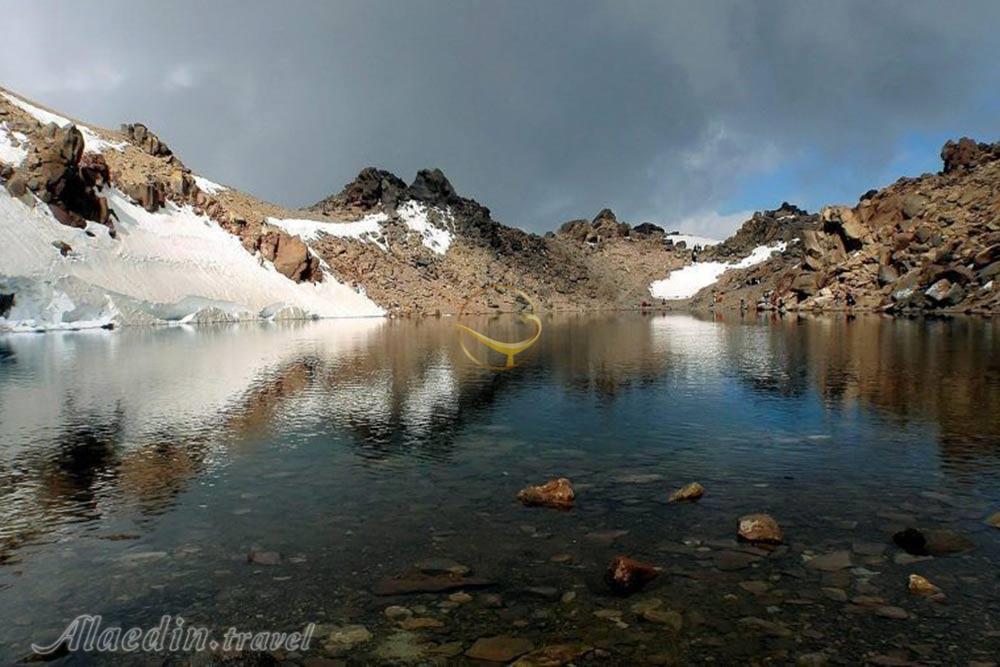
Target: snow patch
[(416, 217), (12, 148), (209, 187), (684, 283), (692, 240), (367, 229), (92, 142), (169, 266)]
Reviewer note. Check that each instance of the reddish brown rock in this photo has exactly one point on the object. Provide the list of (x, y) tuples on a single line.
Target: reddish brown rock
[(626, 575), (499, 649), (557, 493), (759, 528), (290, 256), (692, 491)]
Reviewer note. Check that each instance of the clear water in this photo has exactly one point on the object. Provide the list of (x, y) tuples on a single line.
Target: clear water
[(139, 468)]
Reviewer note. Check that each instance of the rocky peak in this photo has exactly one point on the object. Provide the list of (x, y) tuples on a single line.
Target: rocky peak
[(432, 187), (784, 223), (370, 189), (967, 154), (141, 136)]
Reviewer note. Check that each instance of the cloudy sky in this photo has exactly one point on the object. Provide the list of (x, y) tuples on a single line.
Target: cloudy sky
[(686, 113)]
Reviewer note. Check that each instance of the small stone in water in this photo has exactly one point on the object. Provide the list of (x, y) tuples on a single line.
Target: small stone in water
[(896, 613), (556, 493), (759, 528), (396, 612), (442, 566), (835, 594), (993, 520), (667, 617), (499, 649), (626, 575), (692, 491), (831, 562), (460, 597), (420, 623), (923, 587), (263, 557), (568, 597)]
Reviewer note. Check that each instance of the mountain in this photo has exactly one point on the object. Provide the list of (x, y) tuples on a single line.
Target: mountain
[(101, 227), (926, 244)]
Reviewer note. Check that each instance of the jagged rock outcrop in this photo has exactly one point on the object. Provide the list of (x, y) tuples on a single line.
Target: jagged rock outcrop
[(785, 223), (290, 256), (927, 244), (146, 139), (373, 188), (59, 173)]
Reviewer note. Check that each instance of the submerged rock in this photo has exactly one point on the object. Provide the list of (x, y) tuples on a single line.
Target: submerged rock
[(923, 587), (553, 656), (416, 581), (263, 557), (625, 575), (831, 562), (692, 491), (499, 649), (993, 520), (932, 542), (760, 528), (556, 493)]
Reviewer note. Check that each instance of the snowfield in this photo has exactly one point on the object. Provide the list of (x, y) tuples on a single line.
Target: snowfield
[(169, 266), (685, 282), (367, 229)]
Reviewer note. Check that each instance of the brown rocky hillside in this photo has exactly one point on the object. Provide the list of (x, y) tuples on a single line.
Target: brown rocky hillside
[(926, 244)]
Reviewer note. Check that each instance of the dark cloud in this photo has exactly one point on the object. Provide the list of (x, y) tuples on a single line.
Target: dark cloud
[(543, 111)]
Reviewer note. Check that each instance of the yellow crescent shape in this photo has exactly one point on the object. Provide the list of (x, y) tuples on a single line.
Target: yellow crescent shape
[(509, 350)]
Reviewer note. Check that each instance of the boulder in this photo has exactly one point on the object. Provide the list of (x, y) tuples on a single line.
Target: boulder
[(556, 493), (499, 649), (625, 575), (144, 138), (912, 207), (945, 293), (290, 256), (692, 491), (966, 153), (759, 528), (647, 229)]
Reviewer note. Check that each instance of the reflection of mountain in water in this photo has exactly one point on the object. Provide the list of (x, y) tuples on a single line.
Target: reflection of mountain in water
[(93, 424)]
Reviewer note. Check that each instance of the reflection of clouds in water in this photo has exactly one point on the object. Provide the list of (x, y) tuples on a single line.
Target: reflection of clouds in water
[(159, 381), (697, 345), (367, 400), (434, 393)]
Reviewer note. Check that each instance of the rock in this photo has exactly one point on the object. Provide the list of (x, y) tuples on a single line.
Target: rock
[(499, 649), (396, 612), (755, 587), (144, 138), (442, 566), (290, 256), (418, 582), (625, 575), (668, 617), (647, 229), (432, 187), (835, 594), (913, 206), (556, 493), (912, 541), (831, 562), (942, 542), (922, 587), (729, 561), (346, 636), (963, 154), (896, 613), (769, 628), (759, 528), (7, 302), (993, 520), (420, 623), (63, 247), (460, 597), (692, 491), (264, 557), (987, 256), (813, 660), (555, 655)]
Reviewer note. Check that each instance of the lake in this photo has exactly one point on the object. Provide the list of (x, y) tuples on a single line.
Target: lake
[(271, 476)]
